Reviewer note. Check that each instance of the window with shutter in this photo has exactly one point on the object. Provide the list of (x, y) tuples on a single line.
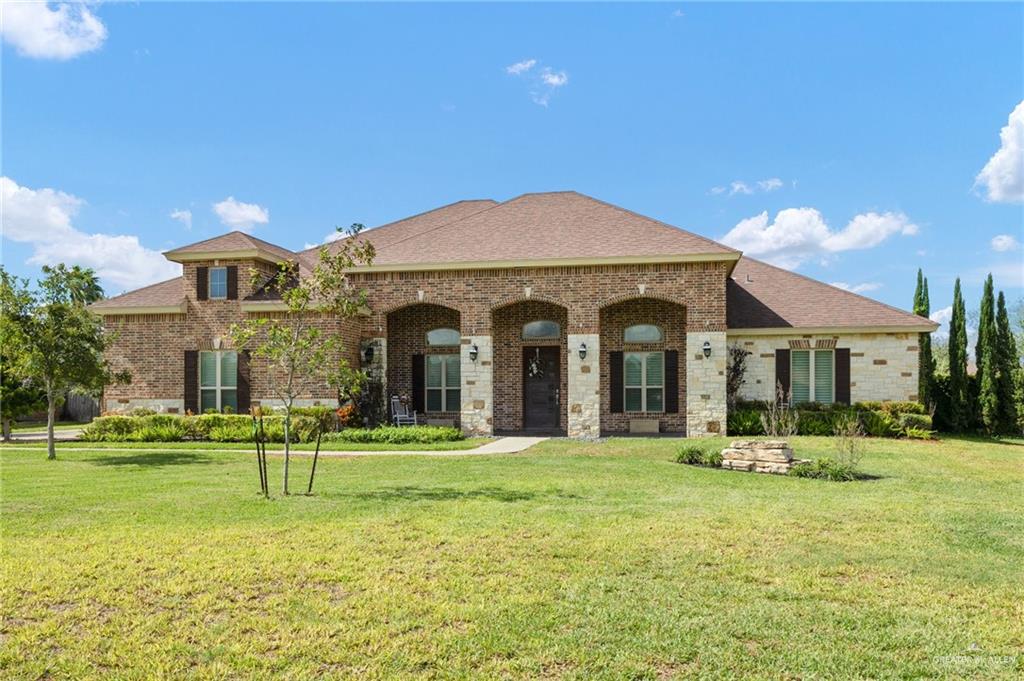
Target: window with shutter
[(218, 381), (812, 376), (644, 381), (443, 383)]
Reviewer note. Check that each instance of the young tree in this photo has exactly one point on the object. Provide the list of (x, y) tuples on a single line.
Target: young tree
[(984, 357), (54, 340), (960, 413), (83, 286), (302, 346), (926, 364), (1008, 369)]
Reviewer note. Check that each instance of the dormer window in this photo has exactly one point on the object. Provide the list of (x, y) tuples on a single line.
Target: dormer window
[(218, 283)]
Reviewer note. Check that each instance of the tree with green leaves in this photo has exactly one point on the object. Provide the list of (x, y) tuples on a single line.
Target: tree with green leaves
[(52, 339), (959, 417), (1008, 370), (984, 357), (19, 396), (926, 363), (83, 286), (303, 347)]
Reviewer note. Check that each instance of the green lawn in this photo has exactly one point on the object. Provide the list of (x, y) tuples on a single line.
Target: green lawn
[(468, 443), (572, 560)]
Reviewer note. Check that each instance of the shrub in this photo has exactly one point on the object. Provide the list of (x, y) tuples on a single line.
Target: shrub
[(824, 469), (200, 427), (920, 434), (141, 411), (848, 436), (109, 429), (915, 421), (231, 433), (397, 435), (745, 421), (815, 422), (171, 431), (878, 424), (897, 408), (698, 456)]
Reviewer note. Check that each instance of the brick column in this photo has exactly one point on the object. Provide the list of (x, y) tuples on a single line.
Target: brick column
[(705, 384), (477, 386), (584, 386)]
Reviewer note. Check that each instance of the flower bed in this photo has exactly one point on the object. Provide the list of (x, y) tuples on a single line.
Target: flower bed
[(878, 419)]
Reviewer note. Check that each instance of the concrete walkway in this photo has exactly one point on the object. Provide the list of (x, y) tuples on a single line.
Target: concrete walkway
[(503, 445), (65, 435)]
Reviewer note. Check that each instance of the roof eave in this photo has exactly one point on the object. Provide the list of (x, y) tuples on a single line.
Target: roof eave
[(819, 330), (119, 310), (551, 262), (242, 254)]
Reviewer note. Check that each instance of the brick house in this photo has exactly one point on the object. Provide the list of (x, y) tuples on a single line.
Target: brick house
[(551, 312)]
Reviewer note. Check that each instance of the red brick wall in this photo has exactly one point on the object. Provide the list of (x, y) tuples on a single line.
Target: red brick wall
[(614, 320), (508, 340)]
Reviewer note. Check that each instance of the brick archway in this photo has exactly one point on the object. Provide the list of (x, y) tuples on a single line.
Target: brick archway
[(407, 327)]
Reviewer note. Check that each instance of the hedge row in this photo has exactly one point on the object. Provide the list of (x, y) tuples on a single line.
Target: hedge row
[(878, 419), (397, 435), (214, 427)]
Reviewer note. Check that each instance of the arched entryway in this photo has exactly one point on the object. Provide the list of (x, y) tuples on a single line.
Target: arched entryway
[(643, 372), (530, 368), (423, 360)]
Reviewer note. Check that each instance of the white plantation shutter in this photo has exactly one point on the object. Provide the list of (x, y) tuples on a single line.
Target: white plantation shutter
[(800, 375), (823, 375)]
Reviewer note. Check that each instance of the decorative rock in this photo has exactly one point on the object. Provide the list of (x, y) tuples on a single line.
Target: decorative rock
[(760, 456)]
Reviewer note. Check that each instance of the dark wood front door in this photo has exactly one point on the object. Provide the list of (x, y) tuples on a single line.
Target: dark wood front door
[(541, 381)]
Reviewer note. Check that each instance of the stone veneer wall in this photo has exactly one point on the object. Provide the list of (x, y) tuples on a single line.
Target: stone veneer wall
[(883, 366), (705, 406), (583, 395), (477, 386), (671, 317)]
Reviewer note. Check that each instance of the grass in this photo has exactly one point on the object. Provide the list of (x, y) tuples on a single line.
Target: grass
[(572, 560), (468, 443)]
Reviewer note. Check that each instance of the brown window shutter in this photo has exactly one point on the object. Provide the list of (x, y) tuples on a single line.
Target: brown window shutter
[(232, 282), (202, 283), (671, 381), (243, 389), (419, 382), (781, 373), (192, 381), (843, 375), (615, 382)]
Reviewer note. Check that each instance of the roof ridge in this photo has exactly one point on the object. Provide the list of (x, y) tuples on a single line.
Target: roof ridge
[(656, 221), (254, 241), (405, 219), (823, 283)]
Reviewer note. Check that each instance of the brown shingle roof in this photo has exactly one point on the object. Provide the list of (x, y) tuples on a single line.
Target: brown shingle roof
[(232, 241), (545, 226), (761, 296), (163, 294)]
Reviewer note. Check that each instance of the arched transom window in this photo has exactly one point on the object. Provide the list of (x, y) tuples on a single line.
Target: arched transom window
[(644, 333), (443, 337), (542, 329)]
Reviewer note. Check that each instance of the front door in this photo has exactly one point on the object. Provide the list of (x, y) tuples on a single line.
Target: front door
[(541, 381)]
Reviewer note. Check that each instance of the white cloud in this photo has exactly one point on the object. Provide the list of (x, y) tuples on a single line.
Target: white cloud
[(1003, 175), (43, 218), (798, 234), (61, 32), (543, 83), (182, 216), (857, 288), (942, 318), (770, 184), (238, 215), (1004, 242), (520, 67)]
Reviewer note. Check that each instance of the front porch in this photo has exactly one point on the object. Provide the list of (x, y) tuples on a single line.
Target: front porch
[(535, 367)]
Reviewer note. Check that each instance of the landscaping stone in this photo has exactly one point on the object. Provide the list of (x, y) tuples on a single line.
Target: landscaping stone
[(759, 456)]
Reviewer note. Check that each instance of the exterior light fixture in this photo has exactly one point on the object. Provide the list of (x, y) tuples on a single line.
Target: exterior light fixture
[(473, 352), (583, 350), (707, 348), (368, 354)]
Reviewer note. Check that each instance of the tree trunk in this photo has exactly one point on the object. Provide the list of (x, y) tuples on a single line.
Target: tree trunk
[(6, 427), (51, 412), (287, 442)]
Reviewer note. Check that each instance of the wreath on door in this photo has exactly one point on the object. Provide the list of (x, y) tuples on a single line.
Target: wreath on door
[(533, 367)]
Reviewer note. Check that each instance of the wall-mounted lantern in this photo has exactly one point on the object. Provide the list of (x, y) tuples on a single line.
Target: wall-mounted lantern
[(474, 351), (583, 350), (368, 354), (707, 348)]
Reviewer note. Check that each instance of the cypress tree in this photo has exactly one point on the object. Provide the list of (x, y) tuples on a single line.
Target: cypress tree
[(985, 357), (926, 364), (960, 416), (1007, 367)]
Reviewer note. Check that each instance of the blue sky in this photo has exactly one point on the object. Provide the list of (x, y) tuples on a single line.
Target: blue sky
[(845, 141)]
